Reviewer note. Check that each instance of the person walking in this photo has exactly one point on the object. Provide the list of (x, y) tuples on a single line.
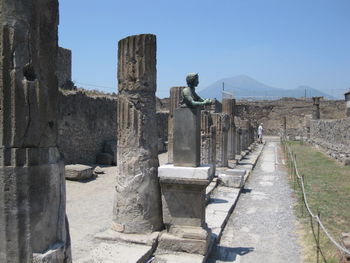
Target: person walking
[(260, 132)]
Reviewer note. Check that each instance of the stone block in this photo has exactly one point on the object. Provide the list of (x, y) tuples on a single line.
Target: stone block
[(186, 149), (169, 171), (104, 159), (230, 180), (189, 245), (78, 172)]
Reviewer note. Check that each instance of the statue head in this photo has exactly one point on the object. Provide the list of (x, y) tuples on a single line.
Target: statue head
[(192, 80)]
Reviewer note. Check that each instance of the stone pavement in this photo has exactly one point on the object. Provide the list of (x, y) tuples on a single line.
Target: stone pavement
[(262, 227)]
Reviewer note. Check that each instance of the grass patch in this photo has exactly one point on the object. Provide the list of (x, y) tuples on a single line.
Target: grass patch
[(327, 185)]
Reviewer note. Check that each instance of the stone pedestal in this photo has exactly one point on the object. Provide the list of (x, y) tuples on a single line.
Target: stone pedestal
[(187, 137), (347, 104), (183, 200)]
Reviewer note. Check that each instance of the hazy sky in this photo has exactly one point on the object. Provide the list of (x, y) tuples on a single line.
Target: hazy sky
[(282, 43)]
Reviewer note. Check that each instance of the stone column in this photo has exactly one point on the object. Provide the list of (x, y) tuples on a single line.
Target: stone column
[(284, 126), (244, 134), (208, 139), (347, 105), (228, 107), (137, 207), (238, 141), (221, 122), (175, 100), (316, 108), (33, 225)]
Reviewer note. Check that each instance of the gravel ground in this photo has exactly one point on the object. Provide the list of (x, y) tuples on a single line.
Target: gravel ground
[(262, 227)]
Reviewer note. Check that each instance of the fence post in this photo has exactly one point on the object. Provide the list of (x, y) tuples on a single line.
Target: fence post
[(318, 236)]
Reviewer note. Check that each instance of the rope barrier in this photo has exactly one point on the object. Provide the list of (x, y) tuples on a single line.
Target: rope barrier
[(305, 201)]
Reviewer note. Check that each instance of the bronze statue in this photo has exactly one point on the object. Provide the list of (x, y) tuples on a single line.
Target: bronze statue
[(189, 96)]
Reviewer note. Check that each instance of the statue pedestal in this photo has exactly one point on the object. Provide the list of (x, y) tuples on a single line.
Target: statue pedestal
[(187, 123), (183, 200)]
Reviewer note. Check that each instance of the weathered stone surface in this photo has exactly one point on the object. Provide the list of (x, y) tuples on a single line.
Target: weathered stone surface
[(232, 178), (104, 159), (208, 140), (98, 170), (189, 245), (175, 100), (347, 103), (221, 122), (64, 67), (316, 108), (78, 172), (32, 186), (269, 112), (203, 172), (187, 137), (228, 107), (137, 205), (333, 136)]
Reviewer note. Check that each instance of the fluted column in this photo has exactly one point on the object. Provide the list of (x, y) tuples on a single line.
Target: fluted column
[(137, 207)]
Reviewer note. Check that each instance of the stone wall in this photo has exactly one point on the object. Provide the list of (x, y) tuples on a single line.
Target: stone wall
[(333, 136), (64, 66), (296, 111), (85, 121)]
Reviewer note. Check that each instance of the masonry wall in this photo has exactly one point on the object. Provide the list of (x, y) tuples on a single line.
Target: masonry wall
[(64, 66), (333, 136), (296, 111), (85, 121)]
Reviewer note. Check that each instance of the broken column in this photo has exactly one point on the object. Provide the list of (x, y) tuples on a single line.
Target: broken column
[(221, 122), (347, 103), (137, 207), (33, 224), (228, 107), (316, 108), (175, 100), (183, 188)]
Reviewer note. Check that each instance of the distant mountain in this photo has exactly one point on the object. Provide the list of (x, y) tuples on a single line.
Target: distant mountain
[(244, 86)]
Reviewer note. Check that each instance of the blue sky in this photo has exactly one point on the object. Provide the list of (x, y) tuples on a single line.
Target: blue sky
[(282, 43)]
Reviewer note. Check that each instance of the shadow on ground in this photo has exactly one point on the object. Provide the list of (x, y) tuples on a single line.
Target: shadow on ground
[(228, 254)]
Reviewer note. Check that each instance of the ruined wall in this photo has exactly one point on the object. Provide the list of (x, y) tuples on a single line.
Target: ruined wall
[(64, 66), (85, 121), (271, 113), (333, 136)]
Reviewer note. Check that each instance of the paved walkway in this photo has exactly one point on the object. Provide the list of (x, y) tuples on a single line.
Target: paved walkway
[(262, 226)]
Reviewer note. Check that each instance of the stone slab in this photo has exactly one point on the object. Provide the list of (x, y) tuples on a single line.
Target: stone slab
[(203, 172), (107, 252), (78, 172)]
